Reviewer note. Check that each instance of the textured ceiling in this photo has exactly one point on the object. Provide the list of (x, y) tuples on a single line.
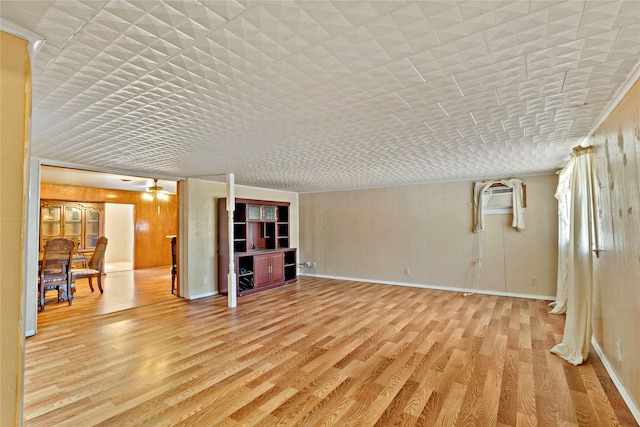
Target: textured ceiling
[(324, 95)]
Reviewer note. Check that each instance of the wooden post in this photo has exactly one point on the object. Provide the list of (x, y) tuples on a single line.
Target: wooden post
[(232, 298)]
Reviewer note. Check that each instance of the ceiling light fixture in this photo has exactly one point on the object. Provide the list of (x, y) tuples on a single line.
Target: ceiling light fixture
[(155, 192)]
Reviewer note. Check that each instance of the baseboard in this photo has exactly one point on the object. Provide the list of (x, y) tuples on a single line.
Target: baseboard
[(29, 333), (206, 294), (614, 377), (441, 288)]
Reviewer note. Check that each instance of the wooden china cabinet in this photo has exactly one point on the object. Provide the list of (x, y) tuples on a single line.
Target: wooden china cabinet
[(78, 221), (262, 256)]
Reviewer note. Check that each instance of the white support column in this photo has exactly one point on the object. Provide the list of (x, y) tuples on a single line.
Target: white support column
[(232, 300), (32, 246)]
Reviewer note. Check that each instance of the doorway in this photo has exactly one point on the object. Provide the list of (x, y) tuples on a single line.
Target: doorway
[(119, 225), (137, 230)]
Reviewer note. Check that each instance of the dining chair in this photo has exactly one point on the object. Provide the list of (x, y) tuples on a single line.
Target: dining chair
[(95, 266), (76, 252), (55, 272), (174, 264)]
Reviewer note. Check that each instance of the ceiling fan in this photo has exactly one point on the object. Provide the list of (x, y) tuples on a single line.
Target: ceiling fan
[(155, 192)]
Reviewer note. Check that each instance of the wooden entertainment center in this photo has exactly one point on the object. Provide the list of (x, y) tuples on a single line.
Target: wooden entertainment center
[(262, 256)]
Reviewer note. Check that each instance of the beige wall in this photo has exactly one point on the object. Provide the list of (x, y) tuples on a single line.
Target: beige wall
[(15, 99), (200, 230), (616, 308), (426, 230)]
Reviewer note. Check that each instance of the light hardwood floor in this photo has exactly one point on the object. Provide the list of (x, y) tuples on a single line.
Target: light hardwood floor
[(319, 352), (122, 290)]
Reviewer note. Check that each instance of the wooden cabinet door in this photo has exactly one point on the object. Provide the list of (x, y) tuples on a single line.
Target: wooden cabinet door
[(268, 269), (277, 267), (261, 276)]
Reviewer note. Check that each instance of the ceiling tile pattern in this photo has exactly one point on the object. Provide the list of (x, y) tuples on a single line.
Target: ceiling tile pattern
[(324, 95)]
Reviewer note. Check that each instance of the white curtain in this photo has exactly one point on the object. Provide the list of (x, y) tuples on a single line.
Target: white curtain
[(576, 340), (563, 195), (480, 202)]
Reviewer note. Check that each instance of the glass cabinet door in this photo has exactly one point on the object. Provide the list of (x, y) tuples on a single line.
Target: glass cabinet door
[(73, 223), (269, 213), (261, 213), (92, 228), (253, 213), (51, 225)]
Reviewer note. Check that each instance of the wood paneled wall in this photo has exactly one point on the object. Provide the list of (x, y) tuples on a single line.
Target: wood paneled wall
[(616, 271), (15, 110), (154, 220)]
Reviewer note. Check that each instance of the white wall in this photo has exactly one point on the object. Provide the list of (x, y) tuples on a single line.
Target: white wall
[(118, 228)]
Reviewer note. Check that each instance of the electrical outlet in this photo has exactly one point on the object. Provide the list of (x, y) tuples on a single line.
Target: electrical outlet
[(619, 351), (205, 280), (534, 282), (313, 265), (406, 271), (308, 264)]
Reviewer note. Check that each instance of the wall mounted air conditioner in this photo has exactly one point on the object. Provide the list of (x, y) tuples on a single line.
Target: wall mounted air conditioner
[(498, 200)]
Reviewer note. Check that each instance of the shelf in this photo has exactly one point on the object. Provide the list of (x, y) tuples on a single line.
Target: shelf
[(283, 214), (260, 245)]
